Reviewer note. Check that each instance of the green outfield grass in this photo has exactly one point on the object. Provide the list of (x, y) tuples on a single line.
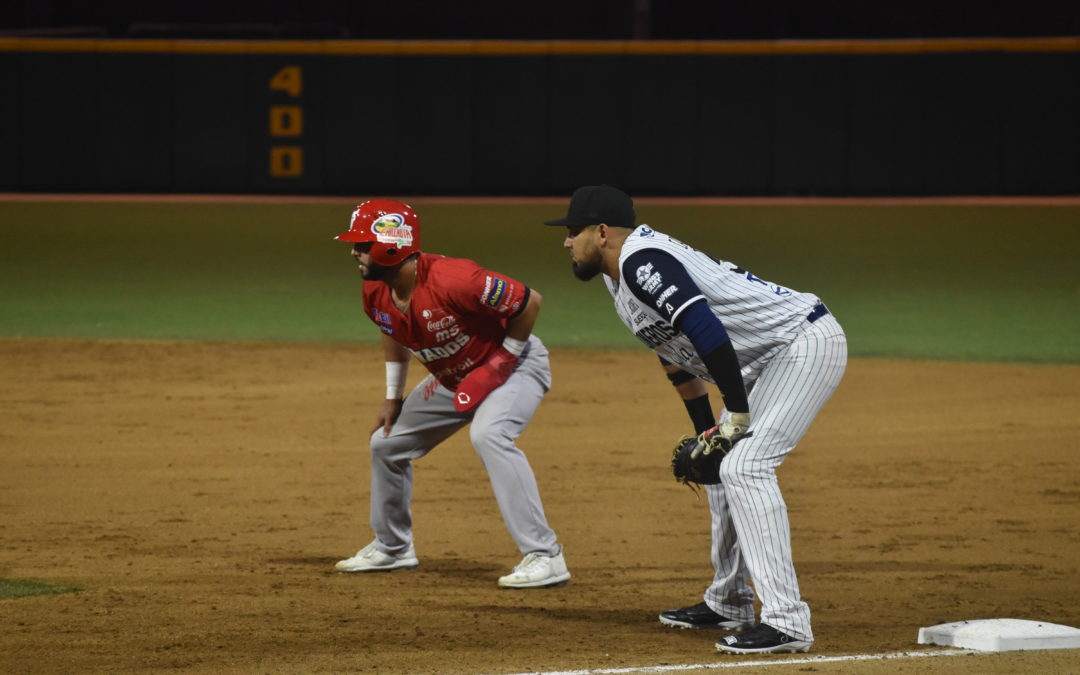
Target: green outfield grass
[(942, 282), (20, 588)]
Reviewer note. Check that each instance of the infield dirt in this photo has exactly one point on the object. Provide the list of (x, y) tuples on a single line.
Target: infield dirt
[(199, 494)]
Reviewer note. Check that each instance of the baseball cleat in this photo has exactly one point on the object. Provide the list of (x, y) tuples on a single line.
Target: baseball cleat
[(537, 571), (371, 559), (700, 616), (764, 639)]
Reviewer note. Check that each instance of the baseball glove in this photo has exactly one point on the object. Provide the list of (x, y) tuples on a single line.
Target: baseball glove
[(704, 469)]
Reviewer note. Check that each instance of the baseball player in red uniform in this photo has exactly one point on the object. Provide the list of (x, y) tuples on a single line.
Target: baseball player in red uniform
[(472, 330)]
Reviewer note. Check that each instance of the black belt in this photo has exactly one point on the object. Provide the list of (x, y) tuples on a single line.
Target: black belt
[(817, 312)]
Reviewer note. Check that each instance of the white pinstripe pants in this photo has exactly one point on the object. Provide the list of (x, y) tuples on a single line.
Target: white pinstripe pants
[(750, 530)]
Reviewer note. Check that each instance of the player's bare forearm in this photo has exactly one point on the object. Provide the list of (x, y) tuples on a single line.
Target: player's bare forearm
[(520, 327), (397, 362), (388, 414), (393, 351)]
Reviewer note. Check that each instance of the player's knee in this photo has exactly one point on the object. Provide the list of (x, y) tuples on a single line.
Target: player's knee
[(385, 448), (488, 441)]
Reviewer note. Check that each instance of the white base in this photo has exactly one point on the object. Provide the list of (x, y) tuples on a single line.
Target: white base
[(1001, 635)]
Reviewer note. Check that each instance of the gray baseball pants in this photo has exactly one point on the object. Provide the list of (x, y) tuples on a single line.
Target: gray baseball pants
[(428, 418)]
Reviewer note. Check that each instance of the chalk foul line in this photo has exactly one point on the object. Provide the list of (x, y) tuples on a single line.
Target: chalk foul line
[(755, 663)]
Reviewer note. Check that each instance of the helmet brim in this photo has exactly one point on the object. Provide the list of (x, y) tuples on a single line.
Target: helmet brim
[(354, 237)]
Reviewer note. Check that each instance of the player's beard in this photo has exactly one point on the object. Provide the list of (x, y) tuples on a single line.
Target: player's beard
[(585, 270), (374, 271)]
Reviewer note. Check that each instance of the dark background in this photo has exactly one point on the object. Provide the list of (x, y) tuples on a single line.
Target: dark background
[(995, 117), (544, 19)]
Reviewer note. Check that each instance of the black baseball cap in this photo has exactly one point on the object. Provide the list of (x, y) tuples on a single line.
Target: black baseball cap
[(594, 204)]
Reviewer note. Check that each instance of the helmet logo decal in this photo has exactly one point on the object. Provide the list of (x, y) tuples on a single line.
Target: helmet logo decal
[(391, 229)]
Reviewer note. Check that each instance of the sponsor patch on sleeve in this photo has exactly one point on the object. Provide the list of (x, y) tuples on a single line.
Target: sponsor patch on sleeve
[(666, 294), (648, 279), (494, 289), (382, 319)]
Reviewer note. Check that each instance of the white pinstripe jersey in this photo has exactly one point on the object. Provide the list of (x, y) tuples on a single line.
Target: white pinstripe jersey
[(760, 317)]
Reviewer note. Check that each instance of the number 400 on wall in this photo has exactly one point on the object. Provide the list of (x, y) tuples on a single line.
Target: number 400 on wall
[(287, 122)]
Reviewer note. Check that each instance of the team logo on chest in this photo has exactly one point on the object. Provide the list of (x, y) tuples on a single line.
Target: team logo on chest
[(446, 336), (442, 324)]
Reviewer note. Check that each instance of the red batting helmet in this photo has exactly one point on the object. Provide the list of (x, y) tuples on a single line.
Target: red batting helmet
[(391, 226)]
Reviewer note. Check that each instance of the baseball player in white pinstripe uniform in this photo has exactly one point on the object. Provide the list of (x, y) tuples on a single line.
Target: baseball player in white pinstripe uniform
[(776, 355)]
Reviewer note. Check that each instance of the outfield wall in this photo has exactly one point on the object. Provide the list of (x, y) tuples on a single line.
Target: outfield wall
[(906, 117)]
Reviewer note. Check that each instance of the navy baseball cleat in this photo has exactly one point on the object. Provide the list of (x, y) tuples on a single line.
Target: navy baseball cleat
[(763, 639), (699, 616)]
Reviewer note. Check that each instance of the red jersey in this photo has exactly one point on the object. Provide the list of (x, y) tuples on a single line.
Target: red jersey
[(456, 316)]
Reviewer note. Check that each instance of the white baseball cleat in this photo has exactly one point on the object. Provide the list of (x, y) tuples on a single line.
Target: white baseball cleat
[(371, 559), (538, 571)]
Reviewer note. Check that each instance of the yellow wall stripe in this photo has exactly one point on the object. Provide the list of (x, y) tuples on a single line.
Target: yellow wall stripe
[(525, 47)]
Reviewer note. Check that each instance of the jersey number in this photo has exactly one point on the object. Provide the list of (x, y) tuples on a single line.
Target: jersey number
[(779, 290)]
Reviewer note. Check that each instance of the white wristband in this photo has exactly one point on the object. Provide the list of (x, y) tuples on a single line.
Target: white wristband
[(396, 372), (513, 346)]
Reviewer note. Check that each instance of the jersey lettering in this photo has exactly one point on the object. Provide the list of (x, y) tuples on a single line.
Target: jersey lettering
[(455, 371), (444, 335), (442, 351), (441, 324), (665, 295), (656, 334)]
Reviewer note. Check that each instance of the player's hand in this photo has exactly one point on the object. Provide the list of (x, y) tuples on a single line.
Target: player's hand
[(388, 414), (484, 379), (722, 435)]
